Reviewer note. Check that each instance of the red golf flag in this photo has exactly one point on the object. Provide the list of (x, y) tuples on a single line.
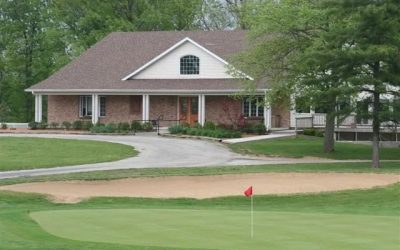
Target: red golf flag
[(249, 191)]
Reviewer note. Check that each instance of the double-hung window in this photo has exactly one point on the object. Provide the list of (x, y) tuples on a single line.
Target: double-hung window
[(85, 105), (253, 107)]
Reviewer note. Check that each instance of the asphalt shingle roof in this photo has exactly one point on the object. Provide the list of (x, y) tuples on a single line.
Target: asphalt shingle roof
[(103, 65)]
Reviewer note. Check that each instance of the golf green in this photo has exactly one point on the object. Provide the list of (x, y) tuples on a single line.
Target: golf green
[(222, 229)]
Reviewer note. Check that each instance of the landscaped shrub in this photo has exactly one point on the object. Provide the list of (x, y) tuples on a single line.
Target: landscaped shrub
[(104, 129), (309, 131), (209, 125), (319, 133), (33, 125), (123, 126), (66, 125), (177, 129), (87, 125), (259, 129), (136, 126), (216, 133), (77, 125), (42, 125), (3, 126), (313, 132), (53, 125), (147, 126)]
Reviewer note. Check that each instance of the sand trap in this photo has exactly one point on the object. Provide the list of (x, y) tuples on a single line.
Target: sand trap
[(204, 186)]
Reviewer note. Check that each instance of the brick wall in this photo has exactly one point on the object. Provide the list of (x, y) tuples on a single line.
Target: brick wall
[(222, 109), (166, 106), (122, 108), (280, 116), (62, 108)]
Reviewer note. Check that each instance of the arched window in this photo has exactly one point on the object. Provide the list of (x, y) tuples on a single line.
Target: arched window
[(190, 65)]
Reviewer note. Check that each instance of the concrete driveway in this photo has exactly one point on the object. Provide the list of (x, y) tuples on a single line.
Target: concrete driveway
[(157, 152)]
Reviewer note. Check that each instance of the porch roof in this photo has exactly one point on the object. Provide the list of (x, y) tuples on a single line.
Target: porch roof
[(159, 86)]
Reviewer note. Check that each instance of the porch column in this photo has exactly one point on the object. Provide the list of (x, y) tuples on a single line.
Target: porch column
[(202, 110), (292, 111), (38, 108), (145, 108), (267, 115), (95, 108)]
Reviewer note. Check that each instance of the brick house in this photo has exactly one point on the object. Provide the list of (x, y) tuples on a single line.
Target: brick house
[(175, 76)]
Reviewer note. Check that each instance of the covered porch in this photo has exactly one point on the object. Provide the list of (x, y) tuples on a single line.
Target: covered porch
[(170, 109)]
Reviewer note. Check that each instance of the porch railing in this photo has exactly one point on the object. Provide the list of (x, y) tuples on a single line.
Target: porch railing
[(318, 120)]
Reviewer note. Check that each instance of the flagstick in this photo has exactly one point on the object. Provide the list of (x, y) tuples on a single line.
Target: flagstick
[(252, 218)]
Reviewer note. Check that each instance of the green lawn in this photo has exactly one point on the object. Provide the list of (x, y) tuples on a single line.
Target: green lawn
[(221, 229), (387, 167), (358, 219), (302, 146), (27, 153)]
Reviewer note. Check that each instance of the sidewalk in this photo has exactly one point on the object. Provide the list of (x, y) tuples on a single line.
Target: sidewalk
[(273, 135)]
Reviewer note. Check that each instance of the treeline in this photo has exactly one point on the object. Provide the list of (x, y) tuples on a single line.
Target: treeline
[(37, 37)]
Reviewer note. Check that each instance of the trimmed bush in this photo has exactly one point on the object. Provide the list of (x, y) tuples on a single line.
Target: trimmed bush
[(53, 125), (216, 133), (136, 126), (313, 132), (177, 129), (42, 125), (4, 126), (123, 126), (209, 125), (147, 126), (259, 129), (87, 125), (77, 125), (33, 125), (66, 125)]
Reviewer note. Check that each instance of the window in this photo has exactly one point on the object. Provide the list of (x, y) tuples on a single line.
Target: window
[(85, 105), (253, 108), (190, 65), (102, 103)]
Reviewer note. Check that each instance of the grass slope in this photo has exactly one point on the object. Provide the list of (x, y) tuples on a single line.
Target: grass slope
[(19, 231), (27, 153), (387, 167), (301, 146)]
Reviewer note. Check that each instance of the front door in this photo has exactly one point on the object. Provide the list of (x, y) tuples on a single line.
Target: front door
[(188, 109)]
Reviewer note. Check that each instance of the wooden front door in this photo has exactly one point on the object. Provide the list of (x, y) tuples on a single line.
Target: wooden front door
[(188, 109)]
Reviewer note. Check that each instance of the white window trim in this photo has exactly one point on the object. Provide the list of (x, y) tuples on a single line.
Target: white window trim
[(250, 108), (81, 97)]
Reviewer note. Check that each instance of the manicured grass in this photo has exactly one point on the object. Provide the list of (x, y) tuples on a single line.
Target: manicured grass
[(358, 219), (302, 146), (27, 153), (387, 167), (221, 229)]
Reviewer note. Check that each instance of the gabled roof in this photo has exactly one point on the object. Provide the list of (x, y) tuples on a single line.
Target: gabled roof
[(103, 66)]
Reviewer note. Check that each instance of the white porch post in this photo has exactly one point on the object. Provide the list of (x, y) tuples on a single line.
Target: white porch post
[(145, 108), (202, 110), (38, 108), (95, 108), (293, 112), (267, 115)]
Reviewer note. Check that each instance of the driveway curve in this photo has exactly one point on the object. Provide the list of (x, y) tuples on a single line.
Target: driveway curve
[(157, 152)]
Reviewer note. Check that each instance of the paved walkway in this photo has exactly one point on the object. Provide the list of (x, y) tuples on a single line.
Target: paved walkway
[(256, 138), (158, 152)]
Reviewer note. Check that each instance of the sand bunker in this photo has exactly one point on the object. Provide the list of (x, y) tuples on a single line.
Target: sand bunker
[(204, 186)]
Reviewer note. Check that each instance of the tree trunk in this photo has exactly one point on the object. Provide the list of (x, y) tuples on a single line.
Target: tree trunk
[(329, 141), (375, 131)]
